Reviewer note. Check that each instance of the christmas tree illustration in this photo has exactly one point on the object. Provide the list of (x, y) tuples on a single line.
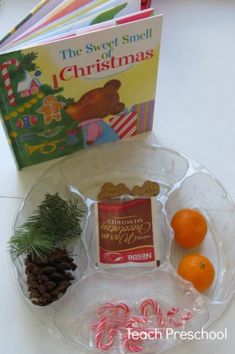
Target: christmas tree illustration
[(22, 96)]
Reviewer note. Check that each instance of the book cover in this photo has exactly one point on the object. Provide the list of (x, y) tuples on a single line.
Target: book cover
[(75, 93)]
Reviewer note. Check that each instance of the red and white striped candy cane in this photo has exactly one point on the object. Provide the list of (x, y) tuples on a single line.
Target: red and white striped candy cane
[(156, 310), (116, 314), (135, 344), (103, 308), (172, 312), (123, 307), (132, 345), (101, 334), (6, 79), (115, 307), (171, 317), (135, 320)]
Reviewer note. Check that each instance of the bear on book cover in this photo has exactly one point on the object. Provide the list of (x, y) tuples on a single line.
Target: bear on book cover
[(94, 105)]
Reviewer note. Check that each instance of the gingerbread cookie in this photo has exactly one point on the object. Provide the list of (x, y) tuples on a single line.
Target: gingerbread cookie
[(110, 191), (148, 189), (51, 109)]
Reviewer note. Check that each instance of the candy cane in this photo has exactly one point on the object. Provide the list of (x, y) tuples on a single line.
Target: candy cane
[(99, 336), (144, 307), (116, 314), (123, 307), (132, 345), (99, 339), (105, 307), (6, 79), (173, 311), (134, 320), (110, 306), (156, 310), (170, 314), (118, 323)]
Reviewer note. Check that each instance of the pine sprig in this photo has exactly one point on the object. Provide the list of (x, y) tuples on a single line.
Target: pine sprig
[(30, 242), (55, 222), (60, 219)]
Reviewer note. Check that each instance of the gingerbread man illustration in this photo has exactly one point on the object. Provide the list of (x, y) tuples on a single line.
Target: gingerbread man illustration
[(51, 109)]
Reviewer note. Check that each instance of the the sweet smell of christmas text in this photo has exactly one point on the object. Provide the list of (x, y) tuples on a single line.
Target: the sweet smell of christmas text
[(106, 61)]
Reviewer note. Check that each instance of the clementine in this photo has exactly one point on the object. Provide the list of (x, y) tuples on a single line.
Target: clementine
[(190, 227), (198, 269)]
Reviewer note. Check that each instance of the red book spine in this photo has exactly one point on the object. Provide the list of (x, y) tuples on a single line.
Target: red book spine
[(145, 4)]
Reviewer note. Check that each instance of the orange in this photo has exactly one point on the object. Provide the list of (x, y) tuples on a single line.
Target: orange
[(190, 227), (198, 269)]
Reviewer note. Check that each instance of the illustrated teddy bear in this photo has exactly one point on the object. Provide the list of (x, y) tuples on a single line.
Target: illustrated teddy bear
[(92, 107)]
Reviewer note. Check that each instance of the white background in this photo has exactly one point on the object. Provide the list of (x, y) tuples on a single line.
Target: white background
[(195, 114)]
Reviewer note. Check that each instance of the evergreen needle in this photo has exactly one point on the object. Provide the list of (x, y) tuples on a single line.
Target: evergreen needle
[(56, 221), (30, 242)]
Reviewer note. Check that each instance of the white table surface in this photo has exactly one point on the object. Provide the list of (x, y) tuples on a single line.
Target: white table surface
[(195, 115)]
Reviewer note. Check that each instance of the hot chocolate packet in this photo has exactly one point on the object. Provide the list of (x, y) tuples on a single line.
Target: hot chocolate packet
[(127, 232)]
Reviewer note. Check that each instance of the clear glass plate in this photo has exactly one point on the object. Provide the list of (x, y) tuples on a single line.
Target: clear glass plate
[(184, 183)]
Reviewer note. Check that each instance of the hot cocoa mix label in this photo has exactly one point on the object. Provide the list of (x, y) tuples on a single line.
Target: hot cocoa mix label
[(126, 231)]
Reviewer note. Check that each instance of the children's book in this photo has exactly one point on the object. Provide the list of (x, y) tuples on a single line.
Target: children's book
[(82, 17), (81, 83)]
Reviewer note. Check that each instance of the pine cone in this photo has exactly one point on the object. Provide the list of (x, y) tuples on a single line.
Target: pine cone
[(48, 280)]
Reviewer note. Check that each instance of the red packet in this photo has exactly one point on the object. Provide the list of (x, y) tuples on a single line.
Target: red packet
[(126, 232)]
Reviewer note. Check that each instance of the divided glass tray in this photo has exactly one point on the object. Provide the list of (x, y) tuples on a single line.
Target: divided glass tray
[(184, 183)]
